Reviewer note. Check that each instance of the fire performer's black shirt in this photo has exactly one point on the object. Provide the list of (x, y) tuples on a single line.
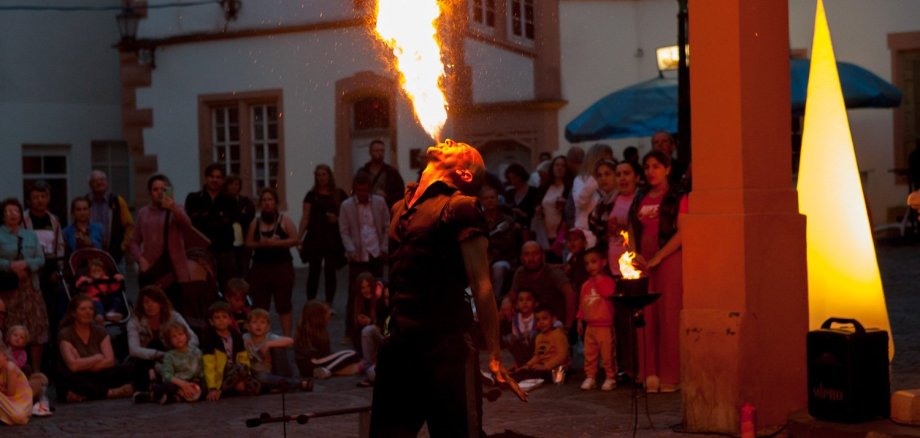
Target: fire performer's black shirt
[(427, 274)]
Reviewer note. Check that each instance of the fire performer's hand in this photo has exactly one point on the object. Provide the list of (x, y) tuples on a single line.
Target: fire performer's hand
[(504, 379)]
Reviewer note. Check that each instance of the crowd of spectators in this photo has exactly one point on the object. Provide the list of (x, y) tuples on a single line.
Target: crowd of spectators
[(209, 270)]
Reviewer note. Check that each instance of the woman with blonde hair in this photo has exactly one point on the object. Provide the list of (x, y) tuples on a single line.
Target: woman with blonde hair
[(584, 188)]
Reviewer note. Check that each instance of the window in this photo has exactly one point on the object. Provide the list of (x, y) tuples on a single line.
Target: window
[(370, 121), (243, 132), (265, 156), (49, 163), (521, 18), (113, 158), (483, 14), (226, 138)]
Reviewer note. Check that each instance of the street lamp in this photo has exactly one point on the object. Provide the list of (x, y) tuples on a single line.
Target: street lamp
[(127, 24)]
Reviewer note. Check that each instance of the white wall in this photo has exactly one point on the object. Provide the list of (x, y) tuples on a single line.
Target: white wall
[(58, 85), (253, 14), (498, 75), (608, 45), (304, 66), (600, 40)]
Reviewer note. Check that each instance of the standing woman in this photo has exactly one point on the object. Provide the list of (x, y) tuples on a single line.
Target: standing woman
[(521, 197), (21, 254), (82, 233), (271, 237), (321, 245), (610, 217), (553, 195), (245, 213), (656, 218), (584, 188), (90, 370)]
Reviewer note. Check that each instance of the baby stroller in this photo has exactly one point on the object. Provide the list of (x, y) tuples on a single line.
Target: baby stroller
[(114, 302)]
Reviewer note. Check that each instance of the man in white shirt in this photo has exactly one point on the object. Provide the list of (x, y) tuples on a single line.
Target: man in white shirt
[(363, 222)]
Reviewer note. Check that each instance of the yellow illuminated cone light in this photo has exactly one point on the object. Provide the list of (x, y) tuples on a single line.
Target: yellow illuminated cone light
[(843, 275)]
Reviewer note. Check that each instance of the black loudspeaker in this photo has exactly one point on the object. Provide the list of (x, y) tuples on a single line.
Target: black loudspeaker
[(848, 373)]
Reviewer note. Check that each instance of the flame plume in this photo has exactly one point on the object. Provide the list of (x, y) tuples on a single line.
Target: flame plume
[(409, 29), (627, 269)]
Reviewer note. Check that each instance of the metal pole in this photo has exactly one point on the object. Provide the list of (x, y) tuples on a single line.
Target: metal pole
[(683, 84)]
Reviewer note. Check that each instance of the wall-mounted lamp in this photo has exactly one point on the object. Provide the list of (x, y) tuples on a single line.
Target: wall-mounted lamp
[(127, 25), (128, 21), (231, 8), (668, 58)]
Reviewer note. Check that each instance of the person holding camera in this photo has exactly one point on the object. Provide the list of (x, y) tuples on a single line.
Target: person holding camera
[(158, 243)]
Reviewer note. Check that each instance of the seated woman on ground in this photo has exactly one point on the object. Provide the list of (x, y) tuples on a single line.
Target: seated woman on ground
[(370, 317), (89, 371), (152, 312), (15, 393), (312, 351)]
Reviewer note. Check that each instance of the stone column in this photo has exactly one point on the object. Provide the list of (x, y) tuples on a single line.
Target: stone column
[(745, 311)]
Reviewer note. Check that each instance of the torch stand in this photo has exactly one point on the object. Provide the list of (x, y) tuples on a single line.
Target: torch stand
[(634, 295)]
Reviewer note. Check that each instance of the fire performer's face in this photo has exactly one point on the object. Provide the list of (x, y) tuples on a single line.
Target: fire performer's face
[(456, 163)]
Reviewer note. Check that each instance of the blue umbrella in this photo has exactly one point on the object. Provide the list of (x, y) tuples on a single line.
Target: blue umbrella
[(642, 109)]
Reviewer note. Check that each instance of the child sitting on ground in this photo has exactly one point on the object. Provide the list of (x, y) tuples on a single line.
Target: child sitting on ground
[(312, 350), (181, 370), (551, 348), (268, 355), (237, 291), (15, 394), (225, 359), (103, 290), (520, 342), (17, 340), (595, 309)]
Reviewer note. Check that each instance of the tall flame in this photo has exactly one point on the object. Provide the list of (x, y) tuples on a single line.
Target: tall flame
[(627, 269), (409, 29)]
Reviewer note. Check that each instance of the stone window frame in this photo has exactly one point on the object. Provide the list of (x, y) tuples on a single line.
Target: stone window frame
[(244, 102)]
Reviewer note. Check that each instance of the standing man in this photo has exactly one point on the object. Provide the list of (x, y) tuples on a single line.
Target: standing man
[(111, 211), (213, 213), (48, 228), (363, 222), (385, 179), (428, 369)]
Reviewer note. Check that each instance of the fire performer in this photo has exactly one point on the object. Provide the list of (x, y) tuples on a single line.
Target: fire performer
[(428, 369)]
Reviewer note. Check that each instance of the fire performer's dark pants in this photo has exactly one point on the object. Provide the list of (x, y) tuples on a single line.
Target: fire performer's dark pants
[(431, 378)]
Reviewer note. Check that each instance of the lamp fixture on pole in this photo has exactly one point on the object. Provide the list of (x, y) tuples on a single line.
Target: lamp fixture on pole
[(127, 24), (231, 8)]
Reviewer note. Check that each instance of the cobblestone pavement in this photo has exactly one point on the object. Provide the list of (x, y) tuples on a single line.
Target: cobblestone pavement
[(553, 411)]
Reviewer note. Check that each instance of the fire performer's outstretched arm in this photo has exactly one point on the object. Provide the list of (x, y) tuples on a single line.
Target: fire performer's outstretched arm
[(477, 270)]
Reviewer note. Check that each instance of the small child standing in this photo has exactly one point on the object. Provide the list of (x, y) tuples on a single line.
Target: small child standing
[(181, 370), (595, 310), (225, 359), (266, 365), (103, 290), (551, 348), (237, 291), (520, 342)]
